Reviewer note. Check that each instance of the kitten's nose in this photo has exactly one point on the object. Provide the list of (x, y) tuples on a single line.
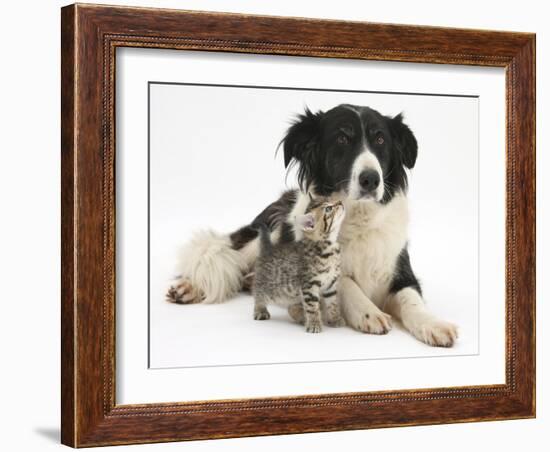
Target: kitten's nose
[(369, 180)]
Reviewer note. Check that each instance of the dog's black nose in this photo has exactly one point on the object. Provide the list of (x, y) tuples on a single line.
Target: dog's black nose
[(369, 180)]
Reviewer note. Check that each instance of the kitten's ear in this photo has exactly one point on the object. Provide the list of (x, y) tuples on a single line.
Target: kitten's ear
[(306, 222)]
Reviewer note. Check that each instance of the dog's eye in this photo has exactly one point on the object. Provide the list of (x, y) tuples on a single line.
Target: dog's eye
[(328, 209), (380, 139), (342, 139)]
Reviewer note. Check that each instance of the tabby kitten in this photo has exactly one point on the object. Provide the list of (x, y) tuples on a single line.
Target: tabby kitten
[(305, 274)]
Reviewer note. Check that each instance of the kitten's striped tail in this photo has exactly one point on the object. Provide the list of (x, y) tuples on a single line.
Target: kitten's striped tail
[(265, 238)]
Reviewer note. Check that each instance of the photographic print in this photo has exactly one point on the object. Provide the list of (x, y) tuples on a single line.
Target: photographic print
[(314, 209)]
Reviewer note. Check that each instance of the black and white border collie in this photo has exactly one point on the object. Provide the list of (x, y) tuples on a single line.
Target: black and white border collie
[(364, 156)]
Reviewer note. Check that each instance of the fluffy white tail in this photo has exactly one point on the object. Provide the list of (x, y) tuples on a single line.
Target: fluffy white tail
[(212, 266)]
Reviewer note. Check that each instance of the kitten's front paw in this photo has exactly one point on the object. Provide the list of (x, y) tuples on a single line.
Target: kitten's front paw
[(374, 321), (184, 293), (313, 327), (437, 333), (262, 315)]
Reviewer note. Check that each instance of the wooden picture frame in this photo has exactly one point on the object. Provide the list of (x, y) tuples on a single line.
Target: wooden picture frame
[(90, 35)]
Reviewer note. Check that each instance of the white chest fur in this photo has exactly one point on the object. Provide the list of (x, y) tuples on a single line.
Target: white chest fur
[(372, 236)]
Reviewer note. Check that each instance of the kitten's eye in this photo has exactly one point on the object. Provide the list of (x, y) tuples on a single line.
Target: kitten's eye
[(342, 139), (328, 209), (380, 139)]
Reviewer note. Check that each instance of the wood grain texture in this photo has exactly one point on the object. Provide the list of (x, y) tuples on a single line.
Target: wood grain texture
[(90, 36), (68, 244)]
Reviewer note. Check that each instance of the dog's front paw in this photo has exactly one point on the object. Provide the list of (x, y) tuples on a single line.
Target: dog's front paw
[(373, 321), (184, 293), (437, 333)]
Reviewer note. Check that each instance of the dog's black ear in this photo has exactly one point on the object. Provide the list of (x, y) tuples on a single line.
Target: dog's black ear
[(302, 136), (404, 140), (301, 143)]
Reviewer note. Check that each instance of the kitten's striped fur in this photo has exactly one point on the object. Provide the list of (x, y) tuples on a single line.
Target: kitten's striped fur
[(303, 275)]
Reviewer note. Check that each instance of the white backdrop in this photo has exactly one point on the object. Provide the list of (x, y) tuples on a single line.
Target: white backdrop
[(30, 188), (212, 165)]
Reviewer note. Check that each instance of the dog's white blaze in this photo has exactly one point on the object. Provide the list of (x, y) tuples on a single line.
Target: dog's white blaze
[(365, 161)]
